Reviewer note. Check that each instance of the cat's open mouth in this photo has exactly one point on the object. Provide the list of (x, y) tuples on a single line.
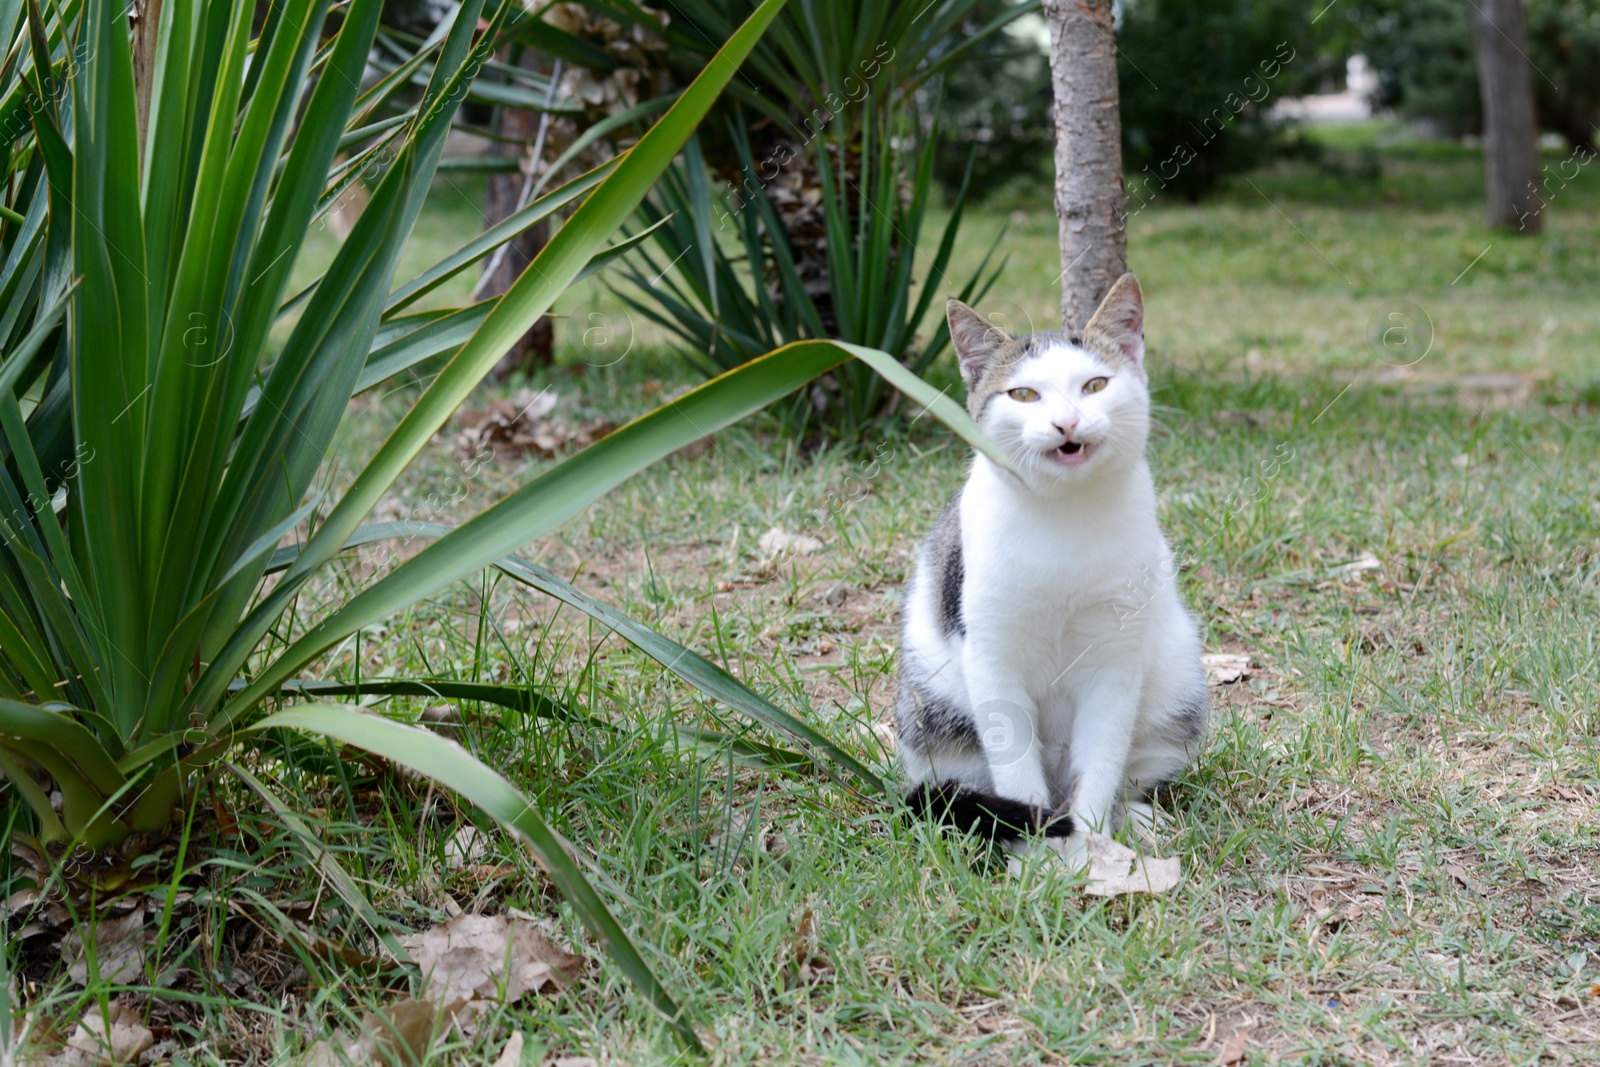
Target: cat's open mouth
[(1072, 453)]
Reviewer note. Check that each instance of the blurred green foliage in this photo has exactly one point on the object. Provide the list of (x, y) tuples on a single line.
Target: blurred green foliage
[(1422, 52), (1199, 78)]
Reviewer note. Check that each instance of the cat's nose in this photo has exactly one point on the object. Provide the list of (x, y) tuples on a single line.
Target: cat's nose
[(1065, 426)]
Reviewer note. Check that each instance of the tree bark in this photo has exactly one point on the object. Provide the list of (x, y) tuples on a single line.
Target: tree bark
[(536, 347), (1091, 201), (146, 18), (1510, 133)]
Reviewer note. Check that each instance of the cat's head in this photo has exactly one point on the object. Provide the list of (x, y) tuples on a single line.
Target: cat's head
[(1060, 404)]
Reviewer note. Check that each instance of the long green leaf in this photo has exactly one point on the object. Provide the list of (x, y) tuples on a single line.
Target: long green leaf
[(561, 260), (698, 672), (521, 698), (454, 767)]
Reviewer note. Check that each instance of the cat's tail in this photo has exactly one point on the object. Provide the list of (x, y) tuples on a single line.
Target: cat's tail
[(975, 811)]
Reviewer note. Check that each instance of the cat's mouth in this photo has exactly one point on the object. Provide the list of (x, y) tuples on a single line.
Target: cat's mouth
[(1071, 453)]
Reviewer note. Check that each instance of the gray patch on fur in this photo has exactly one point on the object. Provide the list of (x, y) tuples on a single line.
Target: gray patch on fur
[(927, 723), (1188, 723), (945, 566)]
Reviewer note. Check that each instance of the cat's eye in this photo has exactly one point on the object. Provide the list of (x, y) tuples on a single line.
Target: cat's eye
[(1094, 385), (1023, 395)]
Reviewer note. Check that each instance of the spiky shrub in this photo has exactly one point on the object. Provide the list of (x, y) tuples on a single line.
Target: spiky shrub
[(801, 213), (160, 448)]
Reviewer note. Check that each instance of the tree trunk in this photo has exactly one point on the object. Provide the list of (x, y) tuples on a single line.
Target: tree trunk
[(1091, 202), (536, 347), (146, 18), (1510, 134)]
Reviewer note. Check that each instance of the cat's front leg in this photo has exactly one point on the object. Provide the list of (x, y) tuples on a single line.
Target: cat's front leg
[(1006, 719), (1102, 736)]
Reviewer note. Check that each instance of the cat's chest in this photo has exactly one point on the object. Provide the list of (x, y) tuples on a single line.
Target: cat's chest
[(1067, 560)]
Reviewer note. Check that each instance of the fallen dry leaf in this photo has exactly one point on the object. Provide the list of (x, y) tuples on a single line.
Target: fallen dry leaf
[(398, 1036), (1115, 869), (467, 847), (886, 734), (118, 948), (476, 957), (524, 423), (999, 1024), (511, 1055), (777, 541), (1364, 562), (94, 1043), (1224, 667), (810, 965), (1233, 1050)]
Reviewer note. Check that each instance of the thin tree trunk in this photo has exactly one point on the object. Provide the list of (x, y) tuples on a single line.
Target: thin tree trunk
[(1091, 202), (1510, 134), (505, 197), (146, 19)]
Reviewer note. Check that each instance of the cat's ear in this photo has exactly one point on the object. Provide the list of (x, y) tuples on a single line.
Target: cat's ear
[(1119, 321), (975, 338)]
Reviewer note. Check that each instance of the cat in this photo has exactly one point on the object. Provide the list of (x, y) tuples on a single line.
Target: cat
[(1047, 685)]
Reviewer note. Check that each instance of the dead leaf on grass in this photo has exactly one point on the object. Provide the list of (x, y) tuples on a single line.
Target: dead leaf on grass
[(118, 947), (1116, 870), (475, 957), (511, 1055), (1234, 1049), (524, 423), (1364, 562), (778, 541), (1465, 880), (1225, 667), (117, 1038), (810, 965), (398, 1036), (467, 847), (999, 1024)]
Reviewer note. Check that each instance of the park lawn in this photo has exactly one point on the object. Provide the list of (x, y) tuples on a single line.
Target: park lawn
[(1389, 845)]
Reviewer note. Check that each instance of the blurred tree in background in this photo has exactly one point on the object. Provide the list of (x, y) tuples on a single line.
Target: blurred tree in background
[(1422, 53), (1196, 96)]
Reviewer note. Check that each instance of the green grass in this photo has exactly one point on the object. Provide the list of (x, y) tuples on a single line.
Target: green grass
[(1389, 844)]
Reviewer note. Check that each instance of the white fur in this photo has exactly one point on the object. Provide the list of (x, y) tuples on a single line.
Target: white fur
[(1078, 656)]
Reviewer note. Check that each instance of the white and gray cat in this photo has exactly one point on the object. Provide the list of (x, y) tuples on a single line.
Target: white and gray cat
[(1045, 686)]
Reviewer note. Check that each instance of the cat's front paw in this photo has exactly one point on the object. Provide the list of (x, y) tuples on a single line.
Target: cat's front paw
[(1146, 822), (1071, 852)]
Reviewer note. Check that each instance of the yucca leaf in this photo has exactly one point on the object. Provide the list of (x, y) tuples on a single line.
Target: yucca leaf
[(447, 763), (50, 826), (497, 235), (521, 698), (744, 751), (113, 348), (700, 673), (555, 496), (597, 218), (601, 129)]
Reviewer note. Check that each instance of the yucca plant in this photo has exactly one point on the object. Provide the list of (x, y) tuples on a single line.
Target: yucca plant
[(806, 217), (161, 450), (849, 261)]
